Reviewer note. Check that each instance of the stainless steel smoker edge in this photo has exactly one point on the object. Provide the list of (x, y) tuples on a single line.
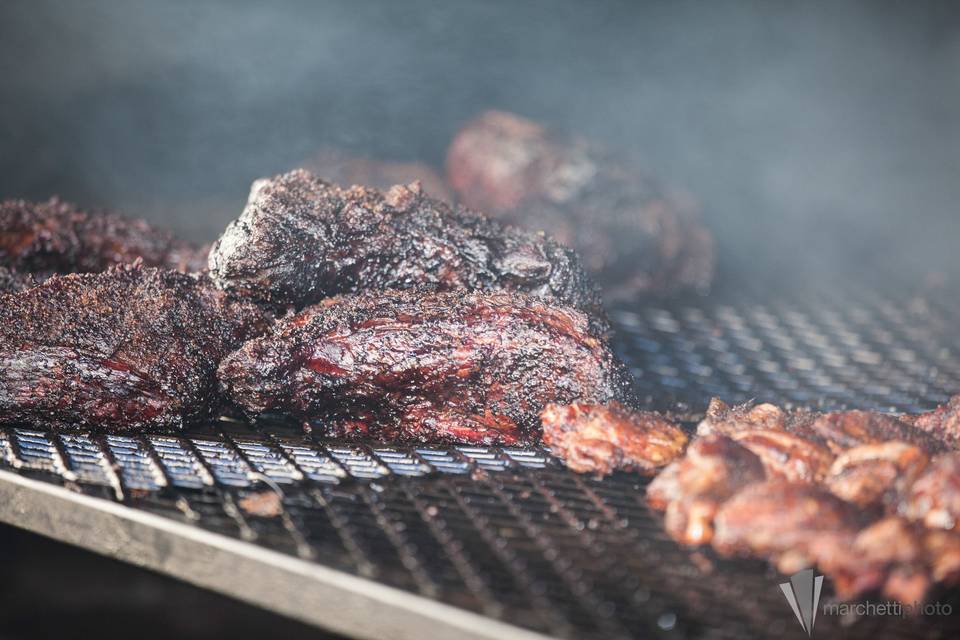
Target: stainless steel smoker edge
[(307, 591)]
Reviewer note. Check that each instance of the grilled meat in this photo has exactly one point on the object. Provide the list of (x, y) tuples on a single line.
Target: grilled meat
[(713, 466), (426, 366), (796, 523), (943, 555), (125, 349), (786, 455), (343, 168), (889, 555), (942, 423), (812, 507), (427, 422), (900, 559), (875, 474), (600, 439), (723, 419), (765, 422), (934, 497), (691, 489), (893, 544), (844, 429), (57, 237), (666, 486), (780, 520), (837, 430), (301, 239), (633, 235)]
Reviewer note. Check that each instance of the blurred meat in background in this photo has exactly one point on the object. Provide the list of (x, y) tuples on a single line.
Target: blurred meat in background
[(633, 234)]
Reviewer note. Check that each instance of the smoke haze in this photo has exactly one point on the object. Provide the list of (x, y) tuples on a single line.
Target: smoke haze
[(817, 136)]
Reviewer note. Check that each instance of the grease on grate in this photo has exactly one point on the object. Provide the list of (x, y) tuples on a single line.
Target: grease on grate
[(266, 504)]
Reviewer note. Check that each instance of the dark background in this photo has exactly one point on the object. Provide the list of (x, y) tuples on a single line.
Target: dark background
[(822, 138), (51, 590)]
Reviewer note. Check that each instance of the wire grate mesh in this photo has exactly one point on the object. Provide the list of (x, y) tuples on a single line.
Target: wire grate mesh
[(509, 532)]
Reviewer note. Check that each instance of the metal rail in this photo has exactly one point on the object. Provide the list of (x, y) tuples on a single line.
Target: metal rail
[(303, 590)]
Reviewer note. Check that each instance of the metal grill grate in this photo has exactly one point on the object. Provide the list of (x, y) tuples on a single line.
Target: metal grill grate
[(508, 532), (831, 351)]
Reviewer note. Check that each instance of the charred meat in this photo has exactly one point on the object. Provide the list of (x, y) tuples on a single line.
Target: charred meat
[(844, 429), (721, 418), (780, 520), (889, 556), (301, 239), (601, 439), (57, 237), (452, 366), (838, 430), (340, 167), (786, 455), (129, 348), (691, 489), (943, 423), (634, 236), (875, 474), (934, 497)]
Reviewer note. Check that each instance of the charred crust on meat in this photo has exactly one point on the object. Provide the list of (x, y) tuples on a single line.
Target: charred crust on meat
[(58, 237), (130, 348), (301, 239), (452, 366)]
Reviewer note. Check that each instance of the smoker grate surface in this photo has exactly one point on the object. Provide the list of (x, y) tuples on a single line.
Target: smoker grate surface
[(508, 532)]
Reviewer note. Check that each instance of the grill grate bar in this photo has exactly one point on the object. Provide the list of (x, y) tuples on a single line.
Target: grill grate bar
[(578, 595), (552, 617), (264, 467), (140, 468), (411, 556), (483, 594), (7, 453)]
